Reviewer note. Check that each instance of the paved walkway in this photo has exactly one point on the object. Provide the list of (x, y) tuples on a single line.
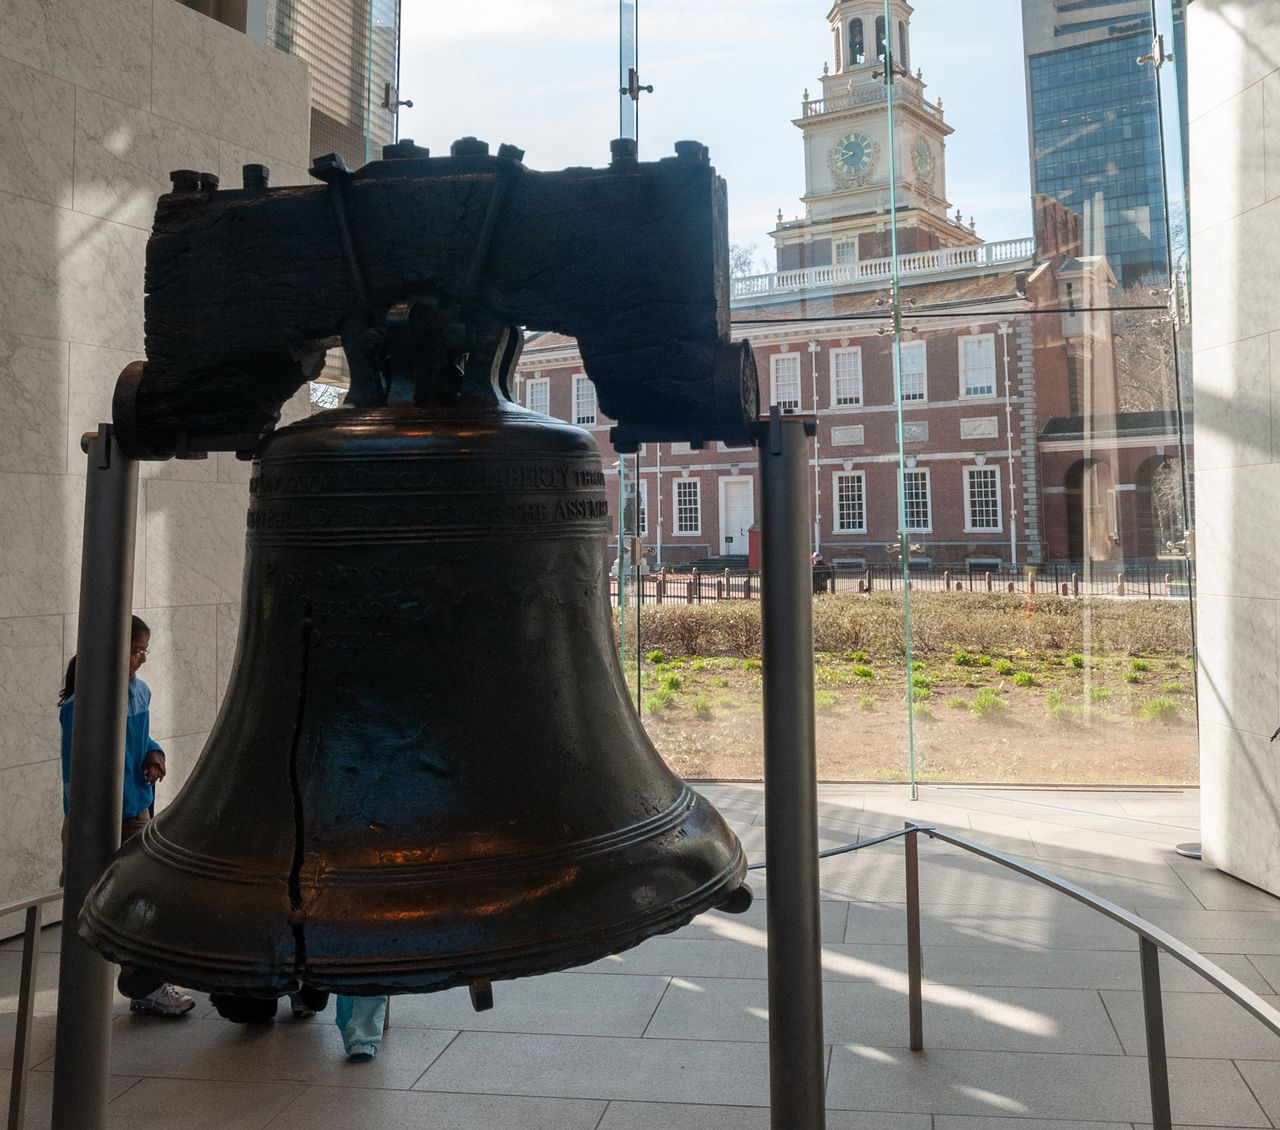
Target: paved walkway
[(1032, 1010)]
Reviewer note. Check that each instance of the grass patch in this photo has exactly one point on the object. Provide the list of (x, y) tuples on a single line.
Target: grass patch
[(1076, 660), (1004, 667), (1024, 679), (654, 656), (921, 694), (987, 703), (1172, 688), (957, 702), (825, 700), (858, 656), (660, 700), (700, 706), (1160, 710), (1139, 665), (964, 658), (720, 681), (1099, 694), (922, 682), (866, 702), (864, 672)]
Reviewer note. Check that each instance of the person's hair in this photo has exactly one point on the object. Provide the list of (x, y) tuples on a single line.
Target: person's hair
[(137, 627)]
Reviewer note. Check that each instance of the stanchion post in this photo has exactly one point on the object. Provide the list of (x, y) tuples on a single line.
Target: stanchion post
[(1153, 1016), (915, 954), (26, 1012), (82, 1051), (796, 1085)]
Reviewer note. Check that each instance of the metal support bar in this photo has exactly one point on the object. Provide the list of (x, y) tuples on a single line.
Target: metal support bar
[(82, 1052), (1153, 1015), (26, 1009), (796, 1050), (915, 955)]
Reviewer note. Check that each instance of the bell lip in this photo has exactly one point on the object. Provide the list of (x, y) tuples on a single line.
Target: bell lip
[(366, 976)]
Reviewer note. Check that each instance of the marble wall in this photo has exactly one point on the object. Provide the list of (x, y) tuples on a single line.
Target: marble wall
[(1234, 113), (97, 103)]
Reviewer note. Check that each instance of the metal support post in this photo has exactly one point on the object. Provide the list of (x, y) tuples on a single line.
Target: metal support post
[(1153, 1014), (796, 1085), (915, 954), (26, 1010), (82, 1052)]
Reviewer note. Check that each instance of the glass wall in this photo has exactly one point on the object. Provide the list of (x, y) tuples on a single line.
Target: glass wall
[(963, 249)]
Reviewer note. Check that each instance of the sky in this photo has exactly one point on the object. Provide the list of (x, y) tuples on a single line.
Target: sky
[(543, 75)]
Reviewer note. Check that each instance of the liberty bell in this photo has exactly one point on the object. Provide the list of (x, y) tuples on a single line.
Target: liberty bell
[(426, 771)]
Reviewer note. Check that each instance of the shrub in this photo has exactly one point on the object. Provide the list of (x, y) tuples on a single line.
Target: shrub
[(864, 672), (1076, 660), (964, 659), (1024, 679), (701, 706), (984, 661), (956, 702), (1140, 665), (661, 699), (987, 702), (1160, 710), (670, 682), (1004, 667), (655, 656), (825, 700)]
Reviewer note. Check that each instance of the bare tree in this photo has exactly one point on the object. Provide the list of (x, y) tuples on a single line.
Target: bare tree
[(743, 261)]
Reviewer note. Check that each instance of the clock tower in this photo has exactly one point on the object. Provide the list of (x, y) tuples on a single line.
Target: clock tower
[(848, 149)]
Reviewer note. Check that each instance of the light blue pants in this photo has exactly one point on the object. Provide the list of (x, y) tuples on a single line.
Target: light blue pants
[(360, 1020)]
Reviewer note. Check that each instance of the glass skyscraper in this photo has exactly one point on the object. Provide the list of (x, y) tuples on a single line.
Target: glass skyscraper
[(1095, 127)]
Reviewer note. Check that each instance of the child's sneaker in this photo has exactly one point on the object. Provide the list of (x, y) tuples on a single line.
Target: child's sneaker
[(165, 1001)]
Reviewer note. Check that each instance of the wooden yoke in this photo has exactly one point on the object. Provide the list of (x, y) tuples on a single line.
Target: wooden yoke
[(247, 288)]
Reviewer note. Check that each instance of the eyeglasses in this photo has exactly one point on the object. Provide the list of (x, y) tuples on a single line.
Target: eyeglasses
[(139, 652)]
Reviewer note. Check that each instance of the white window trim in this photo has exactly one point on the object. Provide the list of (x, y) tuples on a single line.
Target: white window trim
[(965, 394), (644, 505), (578, 380), (543, 383), (675, 508), (928, 486), (969, 527), (836, 528), (851, 351), (773, 379), (924, 371)]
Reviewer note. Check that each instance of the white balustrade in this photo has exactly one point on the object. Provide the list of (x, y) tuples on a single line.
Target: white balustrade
[(913, 263)]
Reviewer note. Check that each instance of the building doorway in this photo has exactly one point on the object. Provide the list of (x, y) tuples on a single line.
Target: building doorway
[(737, 513)]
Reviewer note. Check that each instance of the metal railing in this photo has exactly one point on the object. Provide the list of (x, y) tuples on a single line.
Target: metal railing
[(1151, 940), (1159, 581), (26, 1000)]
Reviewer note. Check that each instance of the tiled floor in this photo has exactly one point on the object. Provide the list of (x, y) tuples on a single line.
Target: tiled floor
[(1033, 1013)]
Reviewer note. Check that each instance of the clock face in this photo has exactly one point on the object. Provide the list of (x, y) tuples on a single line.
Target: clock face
[(853, 155), (922, 158)]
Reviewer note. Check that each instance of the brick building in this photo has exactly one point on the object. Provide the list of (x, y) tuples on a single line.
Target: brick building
[(998, 340)]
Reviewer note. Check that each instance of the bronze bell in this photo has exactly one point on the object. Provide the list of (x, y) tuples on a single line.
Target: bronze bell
[(426, 771)]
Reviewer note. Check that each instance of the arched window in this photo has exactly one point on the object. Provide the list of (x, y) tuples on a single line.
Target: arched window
[(881, 46), (902, 45), (857, 48)]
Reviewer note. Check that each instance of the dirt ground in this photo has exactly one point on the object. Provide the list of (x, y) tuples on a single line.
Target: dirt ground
[(1112, 720)]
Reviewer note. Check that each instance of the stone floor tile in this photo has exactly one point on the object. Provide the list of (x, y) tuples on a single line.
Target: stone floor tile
[(687, 957), (1035, 1086), (1042, 923), (1205, 1027), (42, 1037), (193, 1104), (1060, 1020), (664, 1116), (568, 1004), (1216, 890), (40, 1095), (961, 1122), (603, 1067), (717, 925), (1264, 1081), (1251, 927), (50, 940), (338, 1108), (284, 1052), (1268, 965)]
